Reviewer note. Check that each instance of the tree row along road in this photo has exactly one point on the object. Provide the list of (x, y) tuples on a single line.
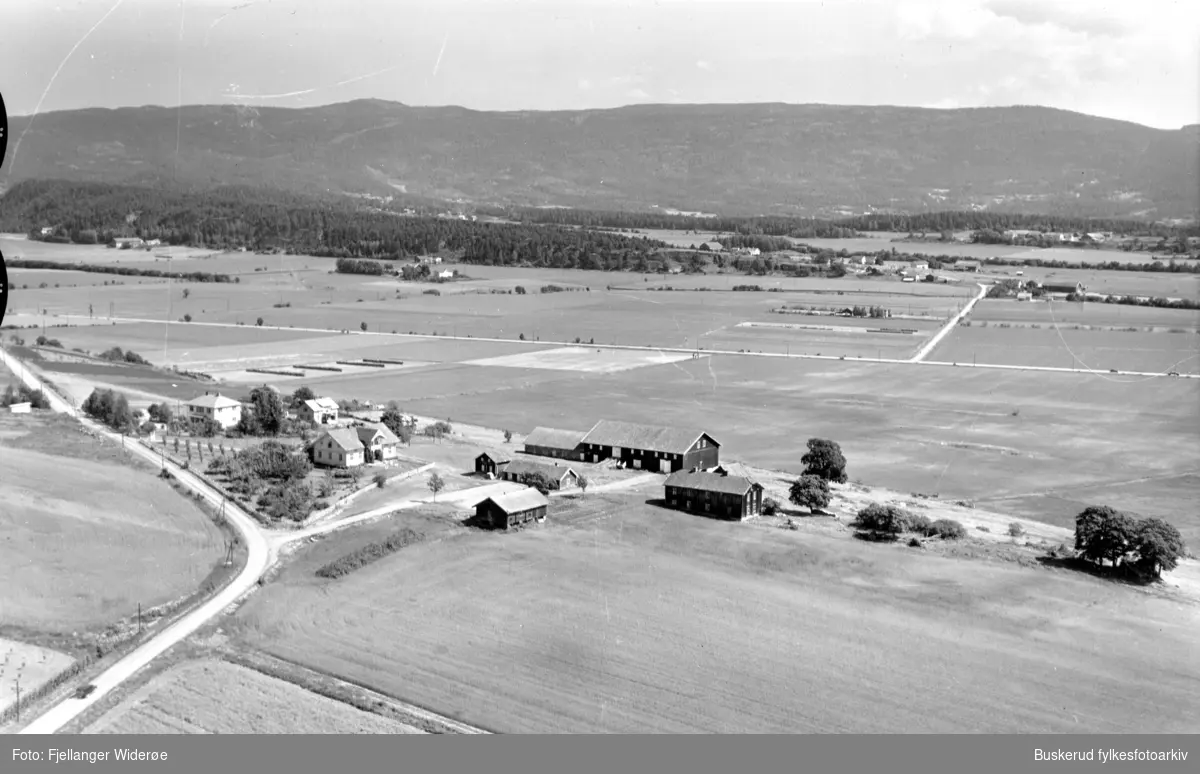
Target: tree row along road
[(917, 360), (263, 551)]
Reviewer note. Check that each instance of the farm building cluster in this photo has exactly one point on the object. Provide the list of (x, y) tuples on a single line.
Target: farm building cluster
[(695, 483)]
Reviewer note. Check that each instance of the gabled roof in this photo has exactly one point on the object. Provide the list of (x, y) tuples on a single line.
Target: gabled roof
[(495, 457), (369, 431), (554, 438), (322, 404), (629, 435), (515, 502), (709, 482), (525, 467), (213, 400), (344, 437)]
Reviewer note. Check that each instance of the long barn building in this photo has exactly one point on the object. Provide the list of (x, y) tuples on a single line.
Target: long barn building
[(651, 447), (714, 494)]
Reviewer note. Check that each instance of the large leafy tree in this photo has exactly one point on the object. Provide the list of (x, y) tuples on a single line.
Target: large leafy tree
[(1159, 546), (810, 492), (266, 413), (825, 460)]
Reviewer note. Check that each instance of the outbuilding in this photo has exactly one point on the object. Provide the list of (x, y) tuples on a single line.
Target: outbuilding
[(512, 509), (552, 442), (714, 494), (490, 463), (560, 476)]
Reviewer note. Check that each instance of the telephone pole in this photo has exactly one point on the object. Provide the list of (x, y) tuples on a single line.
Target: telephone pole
[(139, 617), (18, 705)]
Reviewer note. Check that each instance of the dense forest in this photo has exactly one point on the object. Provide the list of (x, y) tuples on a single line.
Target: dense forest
[(810, 228), (262, 219)]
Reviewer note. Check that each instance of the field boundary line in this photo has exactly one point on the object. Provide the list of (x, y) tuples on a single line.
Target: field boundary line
[(924, 351)]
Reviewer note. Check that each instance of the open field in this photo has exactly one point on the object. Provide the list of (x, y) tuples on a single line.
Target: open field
[(83, 548), (26, 280), (1123, 283), (1142, 498), (1069, 429), (1069, 314), (1064, 346), (28, 665), (642, 620), (217, 697), (17, 246)]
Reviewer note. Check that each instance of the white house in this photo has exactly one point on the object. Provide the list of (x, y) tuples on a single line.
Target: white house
[(445, 274), (226, 412), (319, 411), (21, 408), (350, 447)]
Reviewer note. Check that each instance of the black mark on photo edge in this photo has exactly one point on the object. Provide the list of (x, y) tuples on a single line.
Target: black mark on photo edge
[(3, 131), (3, 288)]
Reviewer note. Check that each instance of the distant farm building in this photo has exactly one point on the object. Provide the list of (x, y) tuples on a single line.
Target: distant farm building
[(650, 447), (319, 411), (125, 243), (560, 476), (490, 464), (713, 494), (552, 442), (967, 265), (714, 247), (226, 412), (1060, 288), (512, 509), (20, 408), (1024, 295)]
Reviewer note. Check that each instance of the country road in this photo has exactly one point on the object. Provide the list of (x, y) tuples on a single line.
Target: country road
[(259, 558), (917, 360), (264, 547), (949, 326)]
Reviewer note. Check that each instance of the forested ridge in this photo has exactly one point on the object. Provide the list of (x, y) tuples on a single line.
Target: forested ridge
[(265, 219)]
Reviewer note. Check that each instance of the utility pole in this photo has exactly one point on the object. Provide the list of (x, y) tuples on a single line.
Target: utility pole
[(139, 617), (18, 683)]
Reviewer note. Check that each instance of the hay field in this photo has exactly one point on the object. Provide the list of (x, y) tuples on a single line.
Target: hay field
[(582, 360), (32, 665), (26, 280), (896, 423), (217, 697), (18, 246), (1064, 346), (643, 620), (88, 532), (1064, 313)]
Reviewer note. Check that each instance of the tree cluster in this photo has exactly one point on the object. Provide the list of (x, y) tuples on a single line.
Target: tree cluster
[(22, 394), (1145, 546), (265, 415), (825, 460), (127, 271), (111, 408), (117, 355)]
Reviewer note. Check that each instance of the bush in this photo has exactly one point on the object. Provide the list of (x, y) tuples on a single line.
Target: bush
[(380, 479), (885, 521), (1015, 530), (770, 506), (947, 529), (371, 552), (917, 522)]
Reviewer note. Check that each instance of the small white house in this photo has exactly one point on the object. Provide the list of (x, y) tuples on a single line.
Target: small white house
[(445, 274), (21, 408)]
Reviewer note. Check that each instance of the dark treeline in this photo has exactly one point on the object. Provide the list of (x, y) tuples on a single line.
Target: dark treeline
[(1170, 267), (128, 271), (808, 228), (261, 219), (938, 222), (354, 266), (815, 228)]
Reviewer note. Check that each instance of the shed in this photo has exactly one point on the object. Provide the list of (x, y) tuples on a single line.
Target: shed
[(489, 464), (21, 408), (512, 509), (561, 475)]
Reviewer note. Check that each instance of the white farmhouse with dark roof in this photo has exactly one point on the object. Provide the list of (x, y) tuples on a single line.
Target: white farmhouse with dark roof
[(226, 412)]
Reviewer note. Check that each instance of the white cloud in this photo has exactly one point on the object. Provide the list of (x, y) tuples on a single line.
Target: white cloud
[(584, 84), (703, 65)]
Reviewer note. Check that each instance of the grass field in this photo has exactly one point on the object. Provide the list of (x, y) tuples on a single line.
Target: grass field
[(641, 620), (217, 697), (1065, 346), (1070, 314), (88, 532), (28, 665)]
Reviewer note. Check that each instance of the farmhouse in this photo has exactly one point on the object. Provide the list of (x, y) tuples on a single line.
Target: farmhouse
[(226, 412), (512, 509), (894, 266), (551, 442), (649, 447), (967, 265), (125, 243), (560, 475), (1024, 295), (714, 494), (445, 274), (339, 448), (491, 464), (21, 408), (319, 411), (379, 442)]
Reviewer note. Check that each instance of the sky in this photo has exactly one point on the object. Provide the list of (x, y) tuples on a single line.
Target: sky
[(1135, 61)]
